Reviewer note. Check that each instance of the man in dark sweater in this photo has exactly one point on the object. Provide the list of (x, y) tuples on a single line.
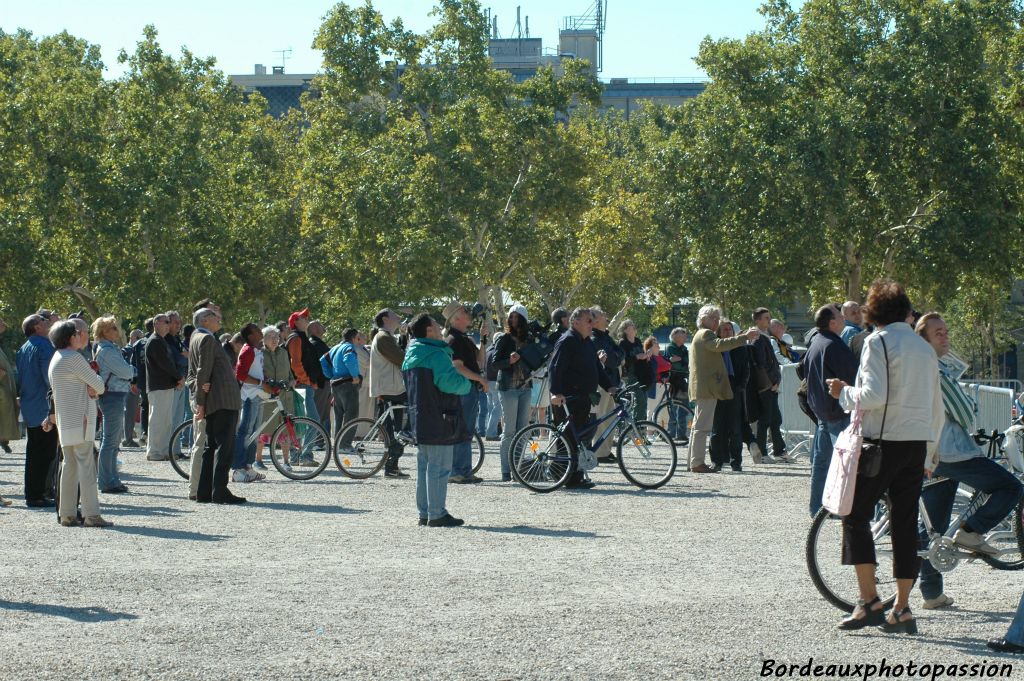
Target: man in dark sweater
[(162, 380), (827, 357), (576, 373)]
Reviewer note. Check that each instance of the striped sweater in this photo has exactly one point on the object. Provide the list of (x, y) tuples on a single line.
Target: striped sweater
[(70, 375)]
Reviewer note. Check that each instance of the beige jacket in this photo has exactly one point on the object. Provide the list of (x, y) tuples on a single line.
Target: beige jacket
[(386, 366), (708, 377)]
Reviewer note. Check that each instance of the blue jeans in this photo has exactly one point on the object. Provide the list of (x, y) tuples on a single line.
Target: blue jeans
[(1015, 634), (677, 423), (821, 456), (480, 427), (515, 406), (433, 466), (462, 458), (244, 455), (982, 474), (179, 412), (493, 409), (112, 407)]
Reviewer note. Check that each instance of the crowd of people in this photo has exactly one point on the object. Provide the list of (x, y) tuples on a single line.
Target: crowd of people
[(883, 359)]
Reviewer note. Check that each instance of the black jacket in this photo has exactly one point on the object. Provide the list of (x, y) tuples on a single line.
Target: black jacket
[(828, 357), (764, 357), (641, 370), (575, 370), (740, 358), (603, 341), (161, 371), (310, 358), (503, 350)]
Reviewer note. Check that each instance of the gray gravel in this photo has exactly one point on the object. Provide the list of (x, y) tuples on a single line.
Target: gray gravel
[(703, 579)]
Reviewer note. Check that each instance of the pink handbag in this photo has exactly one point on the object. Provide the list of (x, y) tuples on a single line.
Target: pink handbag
[(842, 471)]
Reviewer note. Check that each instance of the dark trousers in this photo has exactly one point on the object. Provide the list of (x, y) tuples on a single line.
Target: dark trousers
[(395, 449), (579, 412), (726, 435), (900, 477), (220, 450), (40, 462), (131, 413), (144, 417), (770, 418), (346, 407), (322, 397)]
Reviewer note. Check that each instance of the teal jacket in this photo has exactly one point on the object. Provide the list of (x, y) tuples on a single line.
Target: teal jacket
[(434, 388)]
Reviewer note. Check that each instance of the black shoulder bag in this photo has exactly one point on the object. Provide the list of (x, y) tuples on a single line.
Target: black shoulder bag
[(871, 451)]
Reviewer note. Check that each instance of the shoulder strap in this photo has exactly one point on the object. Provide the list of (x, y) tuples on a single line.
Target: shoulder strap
[(885, 410)]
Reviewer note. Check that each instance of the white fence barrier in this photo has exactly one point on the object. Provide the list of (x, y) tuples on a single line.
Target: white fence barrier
[(994, 406)]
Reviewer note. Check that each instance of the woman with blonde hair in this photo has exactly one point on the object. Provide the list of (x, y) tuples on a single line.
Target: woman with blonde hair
[(117, 376)]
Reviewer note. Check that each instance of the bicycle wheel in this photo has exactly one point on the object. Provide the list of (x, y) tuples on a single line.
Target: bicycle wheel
[(540, 458), (647, 455), (184, 433), (478, 455), (662, 415), (1008, 537), (300, 448), (369, 451), (838, 582)]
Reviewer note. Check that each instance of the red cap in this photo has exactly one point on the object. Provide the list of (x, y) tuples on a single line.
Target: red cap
[(296, 315)]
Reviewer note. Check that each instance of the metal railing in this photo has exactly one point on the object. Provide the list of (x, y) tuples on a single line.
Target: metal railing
[(993, 411)]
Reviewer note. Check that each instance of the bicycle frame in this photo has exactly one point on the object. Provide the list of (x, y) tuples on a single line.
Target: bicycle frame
[(619, 414), (278, 409)]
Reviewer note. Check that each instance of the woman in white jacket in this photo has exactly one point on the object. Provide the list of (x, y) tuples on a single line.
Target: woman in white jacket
[(898, 391), (75, 388)]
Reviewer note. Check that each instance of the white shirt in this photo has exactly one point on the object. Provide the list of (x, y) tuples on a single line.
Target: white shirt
[(249, 391)]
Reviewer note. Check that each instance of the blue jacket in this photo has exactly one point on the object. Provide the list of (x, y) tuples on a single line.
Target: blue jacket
[(435, 389), (33, 362), (827, 357), (116, 373), (344, 361), (575, 370)]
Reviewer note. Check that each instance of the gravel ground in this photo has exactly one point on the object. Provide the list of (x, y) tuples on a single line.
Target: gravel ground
[(703, 579)]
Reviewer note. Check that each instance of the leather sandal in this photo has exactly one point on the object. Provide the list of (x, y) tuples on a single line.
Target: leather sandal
[(871, 618), (898, 626)]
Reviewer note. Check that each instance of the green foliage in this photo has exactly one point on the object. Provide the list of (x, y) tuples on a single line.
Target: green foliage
[(849, 140)]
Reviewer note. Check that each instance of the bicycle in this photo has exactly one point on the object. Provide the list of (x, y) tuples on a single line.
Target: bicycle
[(838, 584), (544, 457), (369, 451), (663, 412), (295, 445)]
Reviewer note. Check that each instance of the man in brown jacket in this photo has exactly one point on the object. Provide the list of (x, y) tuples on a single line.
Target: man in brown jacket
[(218, 407), (709, 381)]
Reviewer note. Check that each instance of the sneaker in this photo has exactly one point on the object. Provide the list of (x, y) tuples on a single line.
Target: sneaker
[(447, 520), (307, 462), (6, 446), (974, 542), (940, 601), (156, 457), (257, 476), (97, 521), (475, 479), (259, 465), (242, 475), (286, 467), (395, 472), (5, 502), (457, 480), (755, 452), (69, 521)]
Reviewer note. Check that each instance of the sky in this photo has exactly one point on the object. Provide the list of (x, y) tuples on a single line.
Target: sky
[(643, 38)]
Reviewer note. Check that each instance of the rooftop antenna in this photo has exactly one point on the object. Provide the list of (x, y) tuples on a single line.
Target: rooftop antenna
[(595, 19), (285, 56), (527, 25), (517, 32)]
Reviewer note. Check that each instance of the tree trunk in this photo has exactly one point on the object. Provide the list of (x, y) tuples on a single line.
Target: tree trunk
[(854, 263)]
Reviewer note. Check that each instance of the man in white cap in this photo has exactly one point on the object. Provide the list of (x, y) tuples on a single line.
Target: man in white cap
[(468, 360)]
